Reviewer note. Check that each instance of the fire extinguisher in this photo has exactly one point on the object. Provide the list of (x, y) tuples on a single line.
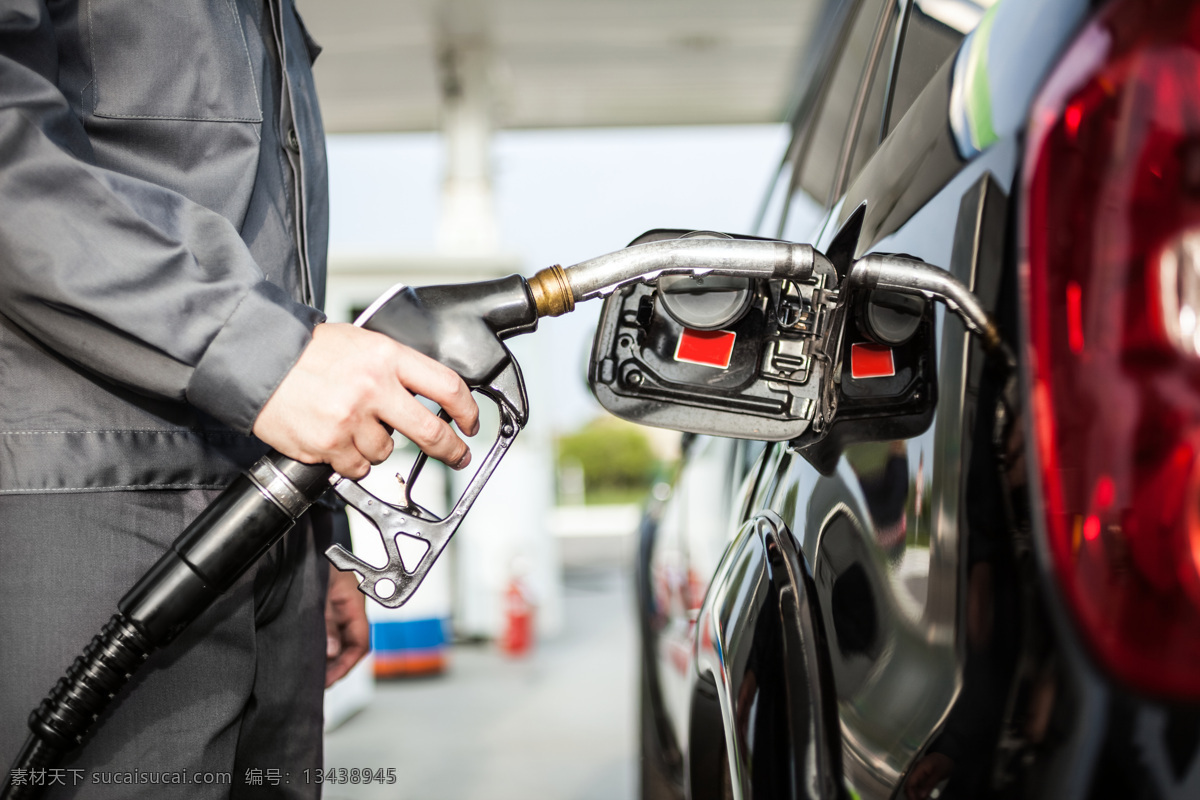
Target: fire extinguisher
[(516, 636)]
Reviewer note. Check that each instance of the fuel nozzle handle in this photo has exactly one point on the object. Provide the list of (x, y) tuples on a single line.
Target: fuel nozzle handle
[(461, 326)]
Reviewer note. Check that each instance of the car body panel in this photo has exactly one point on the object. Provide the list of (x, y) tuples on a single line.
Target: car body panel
[(901, 544), (922, 562)]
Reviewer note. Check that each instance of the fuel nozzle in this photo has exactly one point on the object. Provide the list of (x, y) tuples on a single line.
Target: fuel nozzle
[(465, 326)]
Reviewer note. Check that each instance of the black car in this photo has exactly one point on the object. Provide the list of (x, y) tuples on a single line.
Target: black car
[(978, 574)]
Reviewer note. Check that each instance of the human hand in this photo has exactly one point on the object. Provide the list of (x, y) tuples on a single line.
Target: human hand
[(347, 633), (349, 387)]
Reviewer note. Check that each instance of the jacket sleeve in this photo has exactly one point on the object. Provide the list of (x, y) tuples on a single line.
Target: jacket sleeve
[(125, 278)]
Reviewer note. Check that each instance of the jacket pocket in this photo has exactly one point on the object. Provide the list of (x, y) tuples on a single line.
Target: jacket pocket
[(171, 59)]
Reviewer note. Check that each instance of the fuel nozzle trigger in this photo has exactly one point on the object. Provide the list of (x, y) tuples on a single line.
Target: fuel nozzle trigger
[(392, 584)]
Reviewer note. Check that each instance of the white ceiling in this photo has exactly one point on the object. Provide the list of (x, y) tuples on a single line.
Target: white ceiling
[(560, 63)]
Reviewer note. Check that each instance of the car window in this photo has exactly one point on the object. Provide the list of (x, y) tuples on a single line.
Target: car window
[(932, 32), (867, 44), (869, 131), (821, 159)]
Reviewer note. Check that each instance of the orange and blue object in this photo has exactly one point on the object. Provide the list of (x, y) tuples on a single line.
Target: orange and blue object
[(409, 647)]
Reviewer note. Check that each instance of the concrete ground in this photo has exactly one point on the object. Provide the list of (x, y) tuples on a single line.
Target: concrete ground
[(559, 724)]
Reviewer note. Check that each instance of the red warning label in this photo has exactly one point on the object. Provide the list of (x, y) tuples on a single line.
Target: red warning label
[(871, 361), (710, 348)]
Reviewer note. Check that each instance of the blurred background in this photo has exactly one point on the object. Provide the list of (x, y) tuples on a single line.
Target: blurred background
[(471, 139)]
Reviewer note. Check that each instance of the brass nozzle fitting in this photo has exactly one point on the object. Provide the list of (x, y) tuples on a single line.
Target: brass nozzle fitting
[(551, 292)]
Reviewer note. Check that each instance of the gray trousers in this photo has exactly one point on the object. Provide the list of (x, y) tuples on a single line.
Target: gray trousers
[(238, 695)]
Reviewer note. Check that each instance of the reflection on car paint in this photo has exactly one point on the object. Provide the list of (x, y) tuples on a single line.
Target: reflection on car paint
[(761, 643)]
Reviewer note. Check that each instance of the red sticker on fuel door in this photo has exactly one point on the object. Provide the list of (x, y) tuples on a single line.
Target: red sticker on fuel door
[(710, 348), (871, 361)]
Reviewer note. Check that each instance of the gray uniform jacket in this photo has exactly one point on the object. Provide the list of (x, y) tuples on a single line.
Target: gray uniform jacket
[(163, 225)]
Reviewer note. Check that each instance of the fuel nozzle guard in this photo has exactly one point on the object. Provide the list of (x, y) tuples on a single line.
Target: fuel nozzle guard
[(464, 327)]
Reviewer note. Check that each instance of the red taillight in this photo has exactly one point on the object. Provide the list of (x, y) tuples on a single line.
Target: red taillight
[(1111, 276)]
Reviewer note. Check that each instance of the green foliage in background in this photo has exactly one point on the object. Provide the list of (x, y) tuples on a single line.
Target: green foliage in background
[(619, 465)]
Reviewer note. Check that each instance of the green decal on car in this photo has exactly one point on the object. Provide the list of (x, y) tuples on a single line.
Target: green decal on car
[(970, 91), (979, 97)]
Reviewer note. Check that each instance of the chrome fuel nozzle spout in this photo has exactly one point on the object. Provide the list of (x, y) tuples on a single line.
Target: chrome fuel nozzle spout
[(556, 290)]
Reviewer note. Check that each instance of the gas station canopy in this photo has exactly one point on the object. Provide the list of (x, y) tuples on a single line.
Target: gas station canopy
[(391, 65)]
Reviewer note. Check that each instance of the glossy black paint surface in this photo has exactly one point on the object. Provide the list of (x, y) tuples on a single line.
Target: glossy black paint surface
[(764, 645)]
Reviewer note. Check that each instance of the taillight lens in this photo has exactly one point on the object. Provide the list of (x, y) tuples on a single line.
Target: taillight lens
[(1111, 276)]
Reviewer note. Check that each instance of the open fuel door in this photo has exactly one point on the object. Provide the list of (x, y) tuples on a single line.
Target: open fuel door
[(819, 363)]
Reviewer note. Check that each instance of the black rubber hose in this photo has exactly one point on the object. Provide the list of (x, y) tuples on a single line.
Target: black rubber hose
[(207, 558), (35, 755), (59, 723)]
